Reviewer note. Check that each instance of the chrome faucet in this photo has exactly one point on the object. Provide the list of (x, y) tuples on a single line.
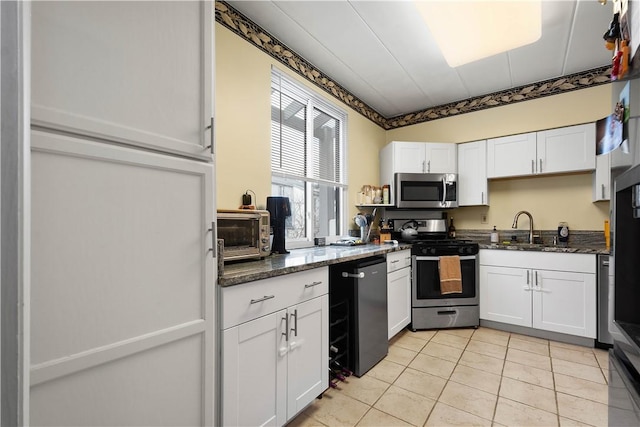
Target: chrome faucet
[(515, 224)]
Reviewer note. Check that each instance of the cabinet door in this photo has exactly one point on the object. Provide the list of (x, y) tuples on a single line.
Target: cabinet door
[(565, 302), (308, 358), (566, 149), (398, 300), (122, 285), (138, 73), (441, 157), (505, 295), (511, 155), (254, 378), (602, 178), (409, 157), (472, 174)]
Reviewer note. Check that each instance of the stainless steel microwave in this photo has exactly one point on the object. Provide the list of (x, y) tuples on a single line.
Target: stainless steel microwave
[(245, 234), (426, 190)]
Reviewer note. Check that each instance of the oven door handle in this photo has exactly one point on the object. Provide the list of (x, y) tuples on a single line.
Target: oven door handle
[(435, 258)]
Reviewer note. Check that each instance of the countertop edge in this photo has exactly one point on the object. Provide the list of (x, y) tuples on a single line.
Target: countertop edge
[(264, 269)]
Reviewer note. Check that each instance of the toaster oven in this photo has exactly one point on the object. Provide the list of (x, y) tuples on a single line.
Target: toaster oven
[(245, 234)]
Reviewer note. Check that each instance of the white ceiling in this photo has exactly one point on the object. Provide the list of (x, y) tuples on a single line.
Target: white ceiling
[(383, 53)]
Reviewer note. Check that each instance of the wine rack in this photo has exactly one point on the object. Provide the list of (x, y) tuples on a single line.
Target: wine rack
[(339, 360)]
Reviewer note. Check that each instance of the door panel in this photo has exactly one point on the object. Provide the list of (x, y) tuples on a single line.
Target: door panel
[(121, 268), (565, 302), (139, 73), (504, 296), (253, 378), (308, 358)]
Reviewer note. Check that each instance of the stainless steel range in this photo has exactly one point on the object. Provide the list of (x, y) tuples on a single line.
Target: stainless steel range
[(430, 308)]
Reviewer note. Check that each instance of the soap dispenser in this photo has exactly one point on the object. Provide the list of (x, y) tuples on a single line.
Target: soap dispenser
[(495, 238)]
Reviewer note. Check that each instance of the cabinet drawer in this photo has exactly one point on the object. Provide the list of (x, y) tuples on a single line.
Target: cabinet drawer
[(249, 301), (398, 260)]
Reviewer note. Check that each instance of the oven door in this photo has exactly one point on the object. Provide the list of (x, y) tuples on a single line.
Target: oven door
[(423, 190), (425, 287)]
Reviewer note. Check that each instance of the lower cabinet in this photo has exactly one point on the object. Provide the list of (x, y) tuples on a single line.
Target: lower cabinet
[(548, 291), (274, 364), (398, 291)]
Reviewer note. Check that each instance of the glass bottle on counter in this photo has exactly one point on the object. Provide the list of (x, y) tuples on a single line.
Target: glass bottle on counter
[(452, 230)]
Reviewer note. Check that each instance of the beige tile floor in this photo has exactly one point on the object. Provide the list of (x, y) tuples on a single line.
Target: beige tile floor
[(464, 377)]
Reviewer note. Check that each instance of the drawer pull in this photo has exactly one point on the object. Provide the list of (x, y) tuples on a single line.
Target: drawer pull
[(264, 298), (352, 275), (311, 285), (395, 261)]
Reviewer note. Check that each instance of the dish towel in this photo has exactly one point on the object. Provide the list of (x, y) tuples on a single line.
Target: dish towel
[(450, 275)]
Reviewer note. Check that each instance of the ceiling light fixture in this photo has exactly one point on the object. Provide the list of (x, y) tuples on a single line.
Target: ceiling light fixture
[(467, 31)]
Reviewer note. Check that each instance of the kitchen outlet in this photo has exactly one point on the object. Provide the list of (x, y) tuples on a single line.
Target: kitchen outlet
[(483, 218)]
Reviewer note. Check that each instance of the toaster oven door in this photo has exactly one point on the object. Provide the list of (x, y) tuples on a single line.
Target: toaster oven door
[(241, 235)]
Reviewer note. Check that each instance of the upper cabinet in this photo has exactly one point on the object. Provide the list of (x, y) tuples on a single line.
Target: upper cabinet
[(472, 174), (416, 157), (568, 149), (91, 80)]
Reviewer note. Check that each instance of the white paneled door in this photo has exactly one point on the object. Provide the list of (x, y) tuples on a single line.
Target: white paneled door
[(122, 315)]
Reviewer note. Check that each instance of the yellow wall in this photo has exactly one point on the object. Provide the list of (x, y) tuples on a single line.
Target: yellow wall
[(243, 123), (550, 199), (243, 75)]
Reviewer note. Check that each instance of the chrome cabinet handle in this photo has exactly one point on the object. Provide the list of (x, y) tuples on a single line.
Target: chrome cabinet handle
[(356, 276), (395, 261), (482, 197), (212, 141), (214, 241), (286, 328), (311, 285), (533, 165), (424, 166), (264, 298), (295, 323), (527, 277), (429, 166), (603, 191), (540, 166)]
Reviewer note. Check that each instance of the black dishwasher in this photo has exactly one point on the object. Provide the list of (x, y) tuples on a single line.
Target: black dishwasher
[(358, 313)]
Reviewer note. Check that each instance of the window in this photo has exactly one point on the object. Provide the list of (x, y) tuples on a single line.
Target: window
[(307, 160)]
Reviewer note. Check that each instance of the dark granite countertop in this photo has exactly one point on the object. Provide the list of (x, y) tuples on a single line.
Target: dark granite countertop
[(570, 249), (299, 260)]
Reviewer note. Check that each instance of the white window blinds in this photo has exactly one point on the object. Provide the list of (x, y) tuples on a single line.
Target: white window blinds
[(306, 134)]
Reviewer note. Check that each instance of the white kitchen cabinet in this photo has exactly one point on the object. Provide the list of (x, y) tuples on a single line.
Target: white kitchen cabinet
[(602, 178), (512, 155), (275, 346), (398, 291), (138, 73), (504, 295), (416, 157), (473, 188), (122, 285), (567, 149), (122, 303), (548, 291)]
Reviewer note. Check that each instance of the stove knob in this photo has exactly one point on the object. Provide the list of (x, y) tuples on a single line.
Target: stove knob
[(461, 250), (433, 251)]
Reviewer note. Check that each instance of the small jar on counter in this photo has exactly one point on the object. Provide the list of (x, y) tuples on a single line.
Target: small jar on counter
[(385, 194)]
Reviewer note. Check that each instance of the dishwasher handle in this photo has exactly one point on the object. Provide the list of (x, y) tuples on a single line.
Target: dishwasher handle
[(355, 276)]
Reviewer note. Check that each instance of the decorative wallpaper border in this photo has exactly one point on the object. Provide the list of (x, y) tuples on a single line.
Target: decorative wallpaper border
[(242, 26)]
